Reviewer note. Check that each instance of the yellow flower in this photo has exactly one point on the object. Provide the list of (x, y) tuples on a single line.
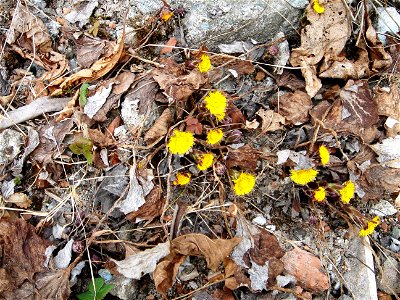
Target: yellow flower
[(324, 155), (347, 192), (180, 142), (204, 64), (166, 15), (214, 136), (205, 161), (216, 104), (182, 178), (303, 177), (319, 194), (319, 9), (370, 227), (244, 184)]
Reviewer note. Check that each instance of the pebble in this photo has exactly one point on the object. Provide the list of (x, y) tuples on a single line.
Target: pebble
[(383, 208)]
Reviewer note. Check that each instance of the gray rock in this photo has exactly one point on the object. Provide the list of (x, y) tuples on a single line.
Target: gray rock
[(390, 279), (216, 22), (387, 21), (124, 288), (360, 277)]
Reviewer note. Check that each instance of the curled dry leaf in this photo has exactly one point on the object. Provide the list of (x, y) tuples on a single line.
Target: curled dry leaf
[(151, 209), (389, 152), (169, 46), (98, 69), (214, 251), (294, 107), (245, 157), (271, 121), (160, 127), (176, 83), (19, 199), (123, 82)]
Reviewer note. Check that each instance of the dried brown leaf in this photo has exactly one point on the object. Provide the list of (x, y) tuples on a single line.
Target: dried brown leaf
[(271, 121), (294, 107), (169, 46), (123, 81), (245, 157), (100, 139), (214, 251), (323, 38), (291, 81), (151, 209), (160, 127), (22, 254), (388, 102), (193, 125)]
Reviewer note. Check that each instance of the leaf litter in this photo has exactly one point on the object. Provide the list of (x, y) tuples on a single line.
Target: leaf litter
[(85, 157)]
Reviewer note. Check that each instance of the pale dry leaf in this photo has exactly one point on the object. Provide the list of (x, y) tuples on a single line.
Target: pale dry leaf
[(96, 101), (63, 257), (271, 121), (389, 152), (245, 157), (160, 127), (142, 263), (294, 107), (214, 251), (81, 12), (151, 209), (19, 199), (322, 39), (89, 49)]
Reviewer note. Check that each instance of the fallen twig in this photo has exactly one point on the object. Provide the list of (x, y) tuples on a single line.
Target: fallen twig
[(32, 110)]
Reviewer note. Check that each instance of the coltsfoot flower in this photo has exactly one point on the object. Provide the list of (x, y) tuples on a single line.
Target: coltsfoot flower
[(205, 160), (320, 194), (318, 8), (324, 155), (204, 64), (216, 104), (182, 178), (303, 177), (347, 192), (370, 227), (180, 142), (214, 136), (244, 184)]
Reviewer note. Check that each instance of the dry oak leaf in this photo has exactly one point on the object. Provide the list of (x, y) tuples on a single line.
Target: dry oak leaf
[(214, 251), (99, 68), (22, 254), (295, 107), (160, 127), (322, 39), (271, 121)]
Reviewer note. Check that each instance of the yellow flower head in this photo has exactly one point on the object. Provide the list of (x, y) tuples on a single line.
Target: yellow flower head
[(320, 194), (180, 142), (324, 155), (182, 178), (205, 161), (370, 227), (347, 192), (244, 184), (214, 136), (166, 15), (303, 177), (216, 103), (204, 64), (319, 9)]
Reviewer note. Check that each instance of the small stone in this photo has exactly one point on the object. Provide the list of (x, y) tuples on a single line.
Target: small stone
[(260, 220), (306, 268), (124, 288), (10, 145), (383, 208), (285, 280)]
